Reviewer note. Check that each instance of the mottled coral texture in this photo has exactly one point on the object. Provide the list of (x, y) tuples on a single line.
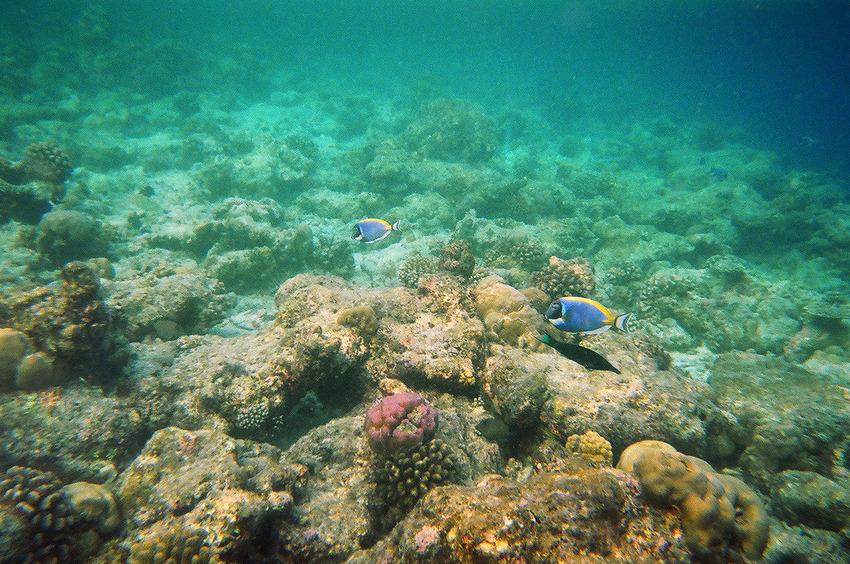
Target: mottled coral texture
[(721, 516), (400, 422)]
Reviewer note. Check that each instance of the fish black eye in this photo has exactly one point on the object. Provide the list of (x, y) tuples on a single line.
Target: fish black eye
[(554, 311), (355, 231)]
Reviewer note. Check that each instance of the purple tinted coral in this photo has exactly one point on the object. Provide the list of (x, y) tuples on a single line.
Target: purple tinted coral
[(400, 422)]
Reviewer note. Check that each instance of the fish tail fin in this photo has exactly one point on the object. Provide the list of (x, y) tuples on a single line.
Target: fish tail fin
[(396, 226), (621, 322)]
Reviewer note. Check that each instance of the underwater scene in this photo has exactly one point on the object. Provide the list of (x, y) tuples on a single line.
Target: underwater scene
[(413, 281)]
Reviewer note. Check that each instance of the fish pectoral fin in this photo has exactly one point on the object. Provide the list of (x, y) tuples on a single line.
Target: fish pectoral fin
[(596, 331)]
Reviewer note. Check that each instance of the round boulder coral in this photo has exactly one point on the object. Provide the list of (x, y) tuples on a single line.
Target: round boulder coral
[(36, 372), (399, 423), (67, 235), (14, 346), (720, 514)]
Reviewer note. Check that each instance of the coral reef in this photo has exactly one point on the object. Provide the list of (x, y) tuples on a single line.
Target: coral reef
[(720, 514), (41, 161), (36, 519), (574, 277), (452, 130), (337, 497), (788, 418), (244, 245), (456, 258), (799, 497), (429, 337), (74, 430), (68, 235), (166, 298), (270, 166), (400, 422), (753, 314), (68, 322), (236, 492), (543, 390), (414, 267), (565, 512)]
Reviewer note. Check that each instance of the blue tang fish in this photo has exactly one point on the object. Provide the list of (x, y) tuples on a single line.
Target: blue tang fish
[(580, 315), (371, 230)]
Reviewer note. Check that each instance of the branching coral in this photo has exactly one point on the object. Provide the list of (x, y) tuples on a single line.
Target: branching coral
[(414, 267), (400, 429), (35, 517), (42, 161), (574, 277)]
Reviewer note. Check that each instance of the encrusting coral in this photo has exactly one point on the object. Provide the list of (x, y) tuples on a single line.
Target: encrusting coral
[(361, 319), (592, 447), (720, 515)]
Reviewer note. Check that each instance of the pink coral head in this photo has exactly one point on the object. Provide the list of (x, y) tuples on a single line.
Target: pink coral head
[(400, 422)]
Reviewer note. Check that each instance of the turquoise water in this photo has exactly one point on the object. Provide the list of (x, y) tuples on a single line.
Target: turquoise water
[(694, 153)]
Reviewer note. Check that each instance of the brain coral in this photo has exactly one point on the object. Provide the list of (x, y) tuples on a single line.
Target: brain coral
[(720, 514), (399, 423)]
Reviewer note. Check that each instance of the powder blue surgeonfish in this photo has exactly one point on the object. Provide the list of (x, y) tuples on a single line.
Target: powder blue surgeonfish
[(583, 316), (371, 230)]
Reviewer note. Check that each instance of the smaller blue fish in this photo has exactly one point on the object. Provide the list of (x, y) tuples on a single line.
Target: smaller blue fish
[(719, 172), (583, 316), (371, 230)]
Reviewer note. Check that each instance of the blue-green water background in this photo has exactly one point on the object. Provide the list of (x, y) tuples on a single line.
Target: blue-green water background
[(778, 70)]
